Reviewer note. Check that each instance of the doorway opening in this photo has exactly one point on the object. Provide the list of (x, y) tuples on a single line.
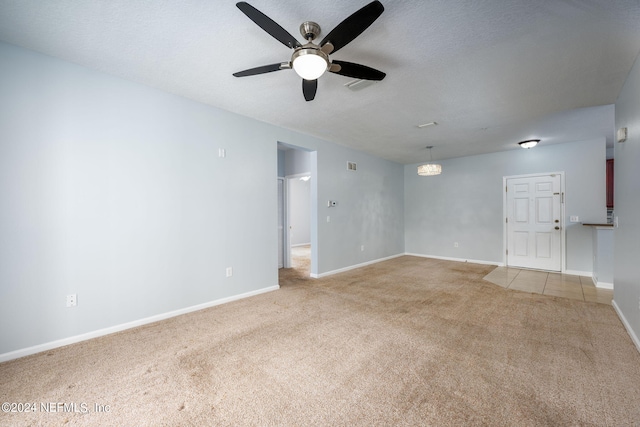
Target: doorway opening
[(297, 230), (534, 236)]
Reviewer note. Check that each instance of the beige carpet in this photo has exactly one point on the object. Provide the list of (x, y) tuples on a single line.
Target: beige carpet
[(408, 341)]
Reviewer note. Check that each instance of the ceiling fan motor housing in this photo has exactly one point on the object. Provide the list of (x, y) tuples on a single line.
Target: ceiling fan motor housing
[(309, 30)]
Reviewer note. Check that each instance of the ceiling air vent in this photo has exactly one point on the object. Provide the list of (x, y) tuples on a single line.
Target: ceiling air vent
[(359, 84), (351, 166)]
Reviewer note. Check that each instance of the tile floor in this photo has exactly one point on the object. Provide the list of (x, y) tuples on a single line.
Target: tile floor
[(553, 284)]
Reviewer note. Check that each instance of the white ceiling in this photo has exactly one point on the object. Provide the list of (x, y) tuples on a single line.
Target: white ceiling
[(490, 72)]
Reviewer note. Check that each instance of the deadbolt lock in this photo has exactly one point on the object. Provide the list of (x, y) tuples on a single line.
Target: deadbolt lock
[(557, 221)]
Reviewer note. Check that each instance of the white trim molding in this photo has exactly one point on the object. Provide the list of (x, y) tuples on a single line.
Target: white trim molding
[(626, 324), (124, 326), (472, 261), (353, 267), (602, 285), (578, 273)]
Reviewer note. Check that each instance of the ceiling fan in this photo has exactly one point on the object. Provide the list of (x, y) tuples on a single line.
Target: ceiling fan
[(310, 61)]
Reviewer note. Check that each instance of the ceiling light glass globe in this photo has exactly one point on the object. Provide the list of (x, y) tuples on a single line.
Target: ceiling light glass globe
[(309, 65)]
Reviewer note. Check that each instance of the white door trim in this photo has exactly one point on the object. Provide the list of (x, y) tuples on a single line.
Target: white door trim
[(562, 214), (282, 216)]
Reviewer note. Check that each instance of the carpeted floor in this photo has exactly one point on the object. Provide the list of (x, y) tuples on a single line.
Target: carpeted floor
[(409, 341)]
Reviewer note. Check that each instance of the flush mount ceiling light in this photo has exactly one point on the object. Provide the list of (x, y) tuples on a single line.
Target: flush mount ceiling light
[(430, 169), (529, 143)]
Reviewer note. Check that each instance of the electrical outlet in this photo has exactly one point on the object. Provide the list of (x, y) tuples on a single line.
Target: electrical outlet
[(72, 300), (229, 271), (361, 247), (455, 244)]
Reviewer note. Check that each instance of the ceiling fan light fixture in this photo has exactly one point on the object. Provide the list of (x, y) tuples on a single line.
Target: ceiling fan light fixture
[(530, 143), (309, 63)]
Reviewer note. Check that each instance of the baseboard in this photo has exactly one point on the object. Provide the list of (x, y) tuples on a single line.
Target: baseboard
[(578, 273), (601, 285), (117, 328), (300, 244), (604, 285), (627, 326), (353, 267), (472, 261)]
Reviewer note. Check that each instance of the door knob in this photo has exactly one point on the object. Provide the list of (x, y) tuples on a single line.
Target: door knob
[(557, 228)]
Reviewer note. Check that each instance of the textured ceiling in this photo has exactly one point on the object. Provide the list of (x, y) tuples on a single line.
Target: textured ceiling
[(490, 72)]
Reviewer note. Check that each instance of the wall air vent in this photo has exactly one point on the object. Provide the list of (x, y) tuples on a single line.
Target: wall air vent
[(351, 166)]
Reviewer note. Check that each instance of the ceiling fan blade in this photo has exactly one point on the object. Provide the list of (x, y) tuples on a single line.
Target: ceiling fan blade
[(309, 88), (261, 70), (353, 26), (357, 71), (269, 25)]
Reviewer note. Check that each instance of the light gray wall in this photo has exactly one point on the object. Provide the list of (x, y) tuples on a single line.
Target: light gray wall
[(465, 203), (627, 203), (115, 191), (369, 211), (297, 161), (281, 172)]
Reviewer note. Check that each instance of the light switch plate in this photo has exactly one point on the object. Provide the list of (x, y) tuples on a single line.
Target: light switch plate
[(574, 218)]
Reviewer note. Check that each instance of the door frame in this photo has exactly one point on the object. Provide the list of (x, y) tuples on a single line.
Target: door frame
[(315, 250), (563, 232), (282, 217)]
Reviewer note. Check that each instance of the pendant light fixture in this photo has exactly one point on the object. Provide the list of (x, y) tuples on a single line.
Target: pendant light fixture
[(430, 169)]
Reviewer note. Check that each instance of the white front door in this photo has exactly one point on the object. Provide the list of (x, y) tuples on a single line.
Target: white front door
[(534, 222)]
